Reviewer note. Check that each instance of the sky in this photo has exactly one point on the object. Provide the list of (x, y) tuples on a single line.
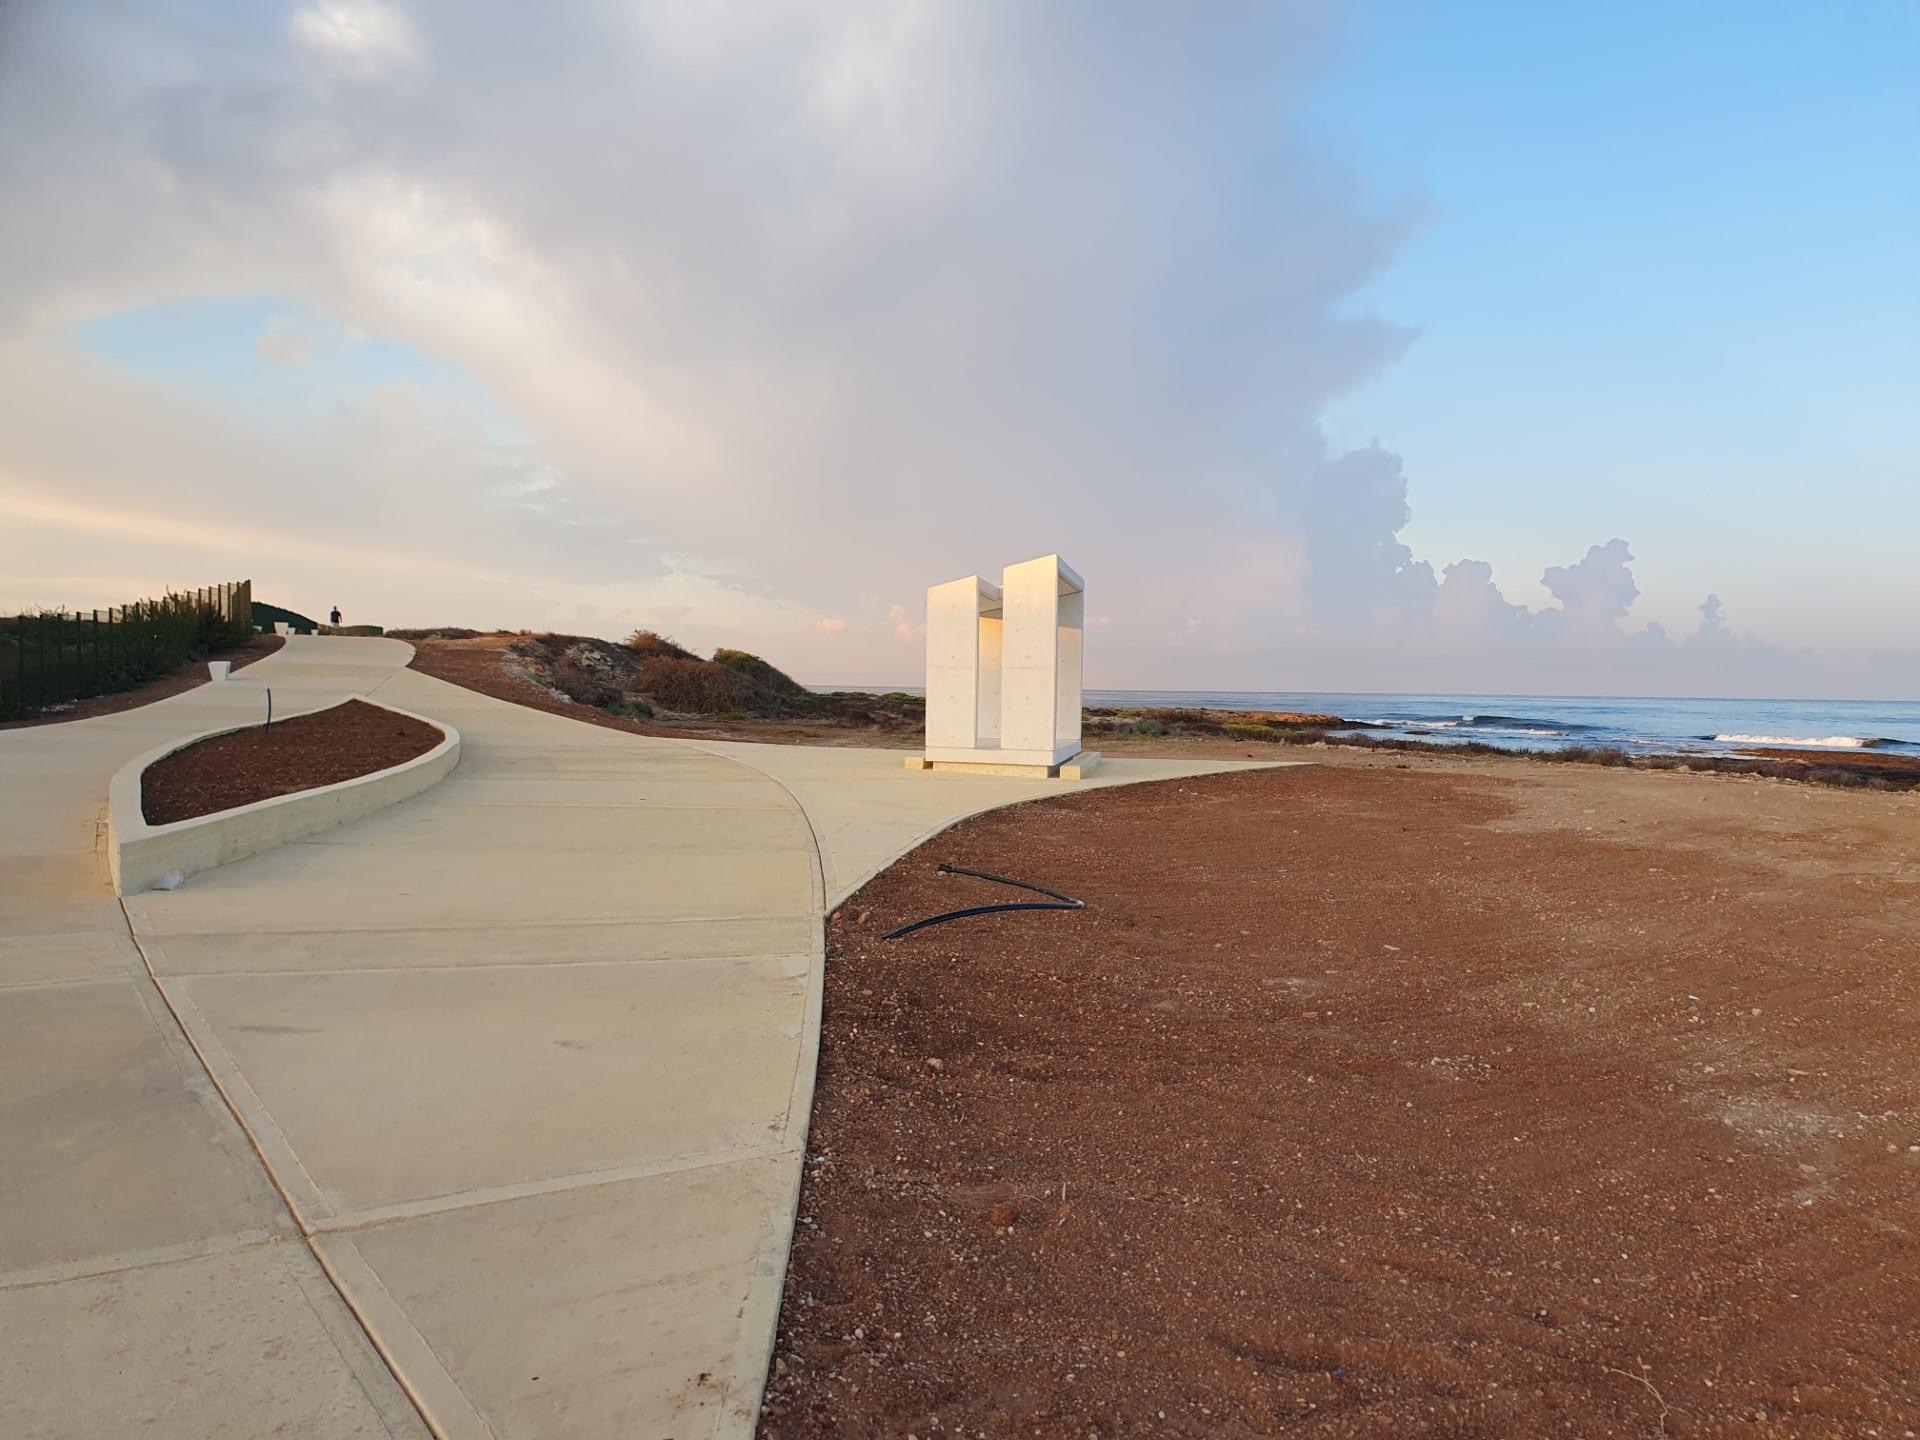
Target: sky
[(1496, 348)]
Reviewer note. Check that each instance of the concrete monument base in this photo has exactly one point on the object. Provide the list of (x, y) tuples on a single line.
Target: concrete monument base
[(1075, 767)]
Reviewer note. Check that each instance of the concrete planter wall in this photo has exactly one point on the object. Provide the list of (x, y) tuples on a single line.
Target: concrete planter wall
[(142, 856)]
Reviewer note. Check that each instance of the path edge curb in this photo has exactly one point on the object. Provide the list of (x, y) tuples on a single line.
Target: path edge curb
[(140, 855)]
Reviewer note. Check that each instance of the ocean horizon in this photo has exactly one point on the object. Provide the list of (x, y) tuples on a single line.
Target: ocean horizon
[(1648, 725)]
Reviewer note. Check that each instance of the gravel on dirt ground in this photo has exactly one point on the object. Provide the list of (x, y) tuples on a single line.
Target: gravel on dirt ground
[(302, 752), (189, 676), (1374, 1100)]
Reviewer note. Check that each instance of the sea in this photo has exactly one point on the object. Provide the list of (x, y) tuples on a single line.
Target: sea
[(1551, 722)]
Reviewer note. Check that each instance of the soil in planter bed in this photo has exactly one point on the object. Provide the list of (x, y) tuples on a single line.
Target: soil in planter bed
[(300, 753), (1374, 1102)]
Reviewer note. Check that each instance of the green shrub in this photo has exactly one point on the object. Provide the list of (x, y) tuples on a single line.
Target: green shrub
[(773, 682), (1250, 732), (1149, 726)]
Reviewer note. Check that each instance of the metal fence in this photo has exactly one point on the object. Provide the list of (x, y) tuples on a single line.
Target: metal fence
[(54, 657)]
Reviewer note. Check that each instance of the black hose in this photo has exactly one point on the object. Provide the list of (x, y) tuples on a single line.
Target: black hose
[(1061, 902), (1005, 880)]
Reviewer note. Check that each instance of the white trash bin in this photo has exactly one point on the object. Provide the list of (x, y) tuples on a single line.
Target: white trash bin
[(218, 670)]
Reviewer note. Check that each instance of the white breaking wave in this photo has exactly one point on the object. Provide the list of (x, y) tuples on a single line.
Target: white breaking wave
[(1831, 742)]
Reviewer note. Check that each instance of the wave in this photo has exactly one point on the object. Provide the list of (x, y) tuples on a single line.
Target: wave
[(1493, 725), (1830, 742), (1525, 724)]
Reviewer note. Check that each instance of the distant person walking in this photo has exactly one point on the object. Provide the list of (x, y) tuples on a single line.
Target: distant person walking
[(334, 619)]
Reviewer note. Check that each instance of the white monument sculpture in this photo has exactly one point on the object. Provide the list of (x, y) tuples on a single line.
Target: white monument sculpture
[(1003, 673)]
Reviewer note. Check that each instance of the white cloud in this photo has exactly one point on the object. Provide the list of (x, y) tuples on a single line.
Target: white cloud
[(283, 342), (364, 38), (802, 306), (830, 625)]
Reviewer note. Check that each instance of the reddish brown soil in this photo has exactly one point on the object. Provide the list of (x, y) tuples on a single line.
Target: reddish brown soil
[(187, 677), (301, 753), (1375, 1099)]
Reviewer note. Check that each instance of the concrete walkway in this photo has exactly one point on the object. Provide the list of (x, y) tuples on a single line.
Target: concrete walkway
[(151, 1280), (527, 1058)]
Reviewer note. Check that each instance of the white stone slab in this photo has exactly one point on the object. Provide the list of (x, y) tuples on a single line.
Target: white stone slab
[(401, 1085), (632, 1308), (112, 1142), (231, 1346)]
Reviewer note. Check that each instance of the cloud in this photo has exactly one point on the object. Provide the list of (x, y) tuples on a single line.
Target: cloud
[(282, 342), (830, 625), (802, 306), (364, 38), (1596, 592)]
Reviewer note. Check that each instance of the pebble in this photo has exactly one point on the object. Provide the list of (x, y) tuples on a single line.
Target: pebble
[(935, 1065)]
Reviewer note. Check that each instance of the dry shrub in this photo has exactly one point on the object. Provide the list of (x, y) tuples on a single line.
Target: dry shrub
[(774, 692), (697, 686), (765, 676), (1586, 755), (446, 632), (584, 685), (651, 644)]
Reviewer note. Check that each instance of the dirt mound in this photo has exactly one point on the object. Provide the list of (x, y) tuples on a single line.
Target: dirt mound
[(652, 676)]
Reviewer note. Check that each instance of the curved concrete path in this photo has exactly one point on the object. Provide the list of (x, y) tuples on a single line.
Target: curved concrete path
[(528, 1060), (151, 1280)]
